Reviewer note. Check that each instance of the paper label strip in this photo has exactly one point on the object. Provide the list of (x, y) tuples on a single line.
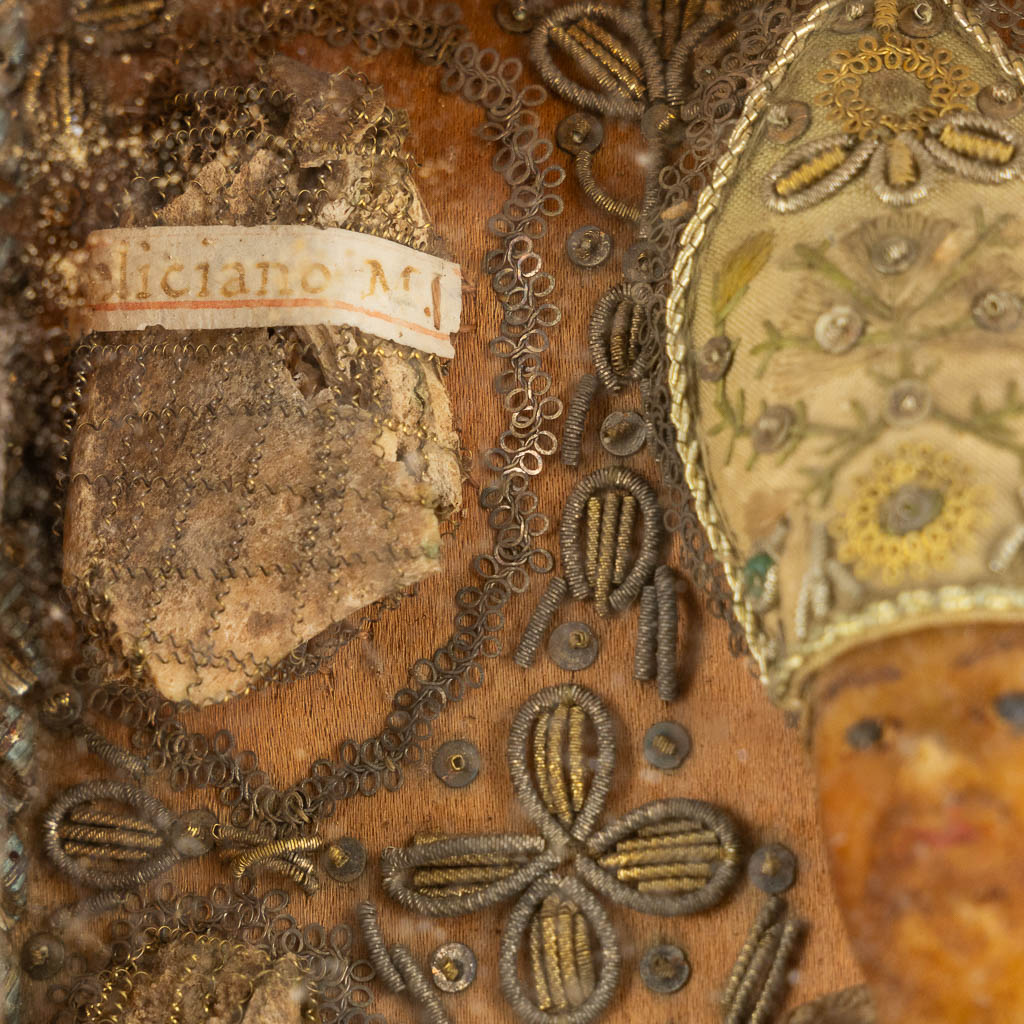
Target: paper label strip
[(225, 278)]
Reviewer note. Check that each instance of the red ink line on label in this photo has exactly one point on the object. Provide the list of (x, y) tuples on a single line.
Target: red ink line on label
[(133, 307)]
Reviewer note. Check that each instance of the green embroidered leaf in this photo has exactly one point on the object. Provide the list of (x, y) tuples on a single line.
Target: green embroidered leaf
[(863, 417), (774, 343), (741, 266), (797, 436), (979, 220)]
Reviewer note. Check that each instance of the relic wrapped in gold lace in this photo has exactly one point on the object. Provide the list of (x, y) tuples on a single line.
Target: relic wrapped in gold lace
[(234, 493)]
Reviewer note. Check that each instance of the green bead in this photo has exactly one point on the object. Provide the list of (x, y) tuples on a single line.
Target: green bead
[(755, 573)]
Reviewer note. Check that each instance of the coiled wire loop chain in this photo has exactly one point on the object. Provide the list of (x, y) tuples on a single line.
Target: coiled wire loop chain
[(683, 74)]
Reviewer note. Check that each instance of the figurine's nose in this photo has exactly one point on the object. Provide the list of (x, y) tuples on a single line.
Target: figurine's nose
[(930, 762)]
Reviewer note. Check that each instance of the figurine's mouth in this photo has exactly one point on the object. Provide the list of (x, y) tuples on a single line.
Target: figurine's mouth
[(955, 832), (932, 857), (969, 819)]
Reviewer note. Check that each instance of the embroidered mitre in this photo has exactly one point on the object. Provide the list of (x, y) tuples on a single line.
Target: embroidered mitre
[(846, 337)]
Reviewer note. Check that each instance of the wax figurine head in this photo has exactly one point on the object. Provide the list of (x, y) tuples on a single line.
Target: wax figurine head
[(918, 742), (846, 349)]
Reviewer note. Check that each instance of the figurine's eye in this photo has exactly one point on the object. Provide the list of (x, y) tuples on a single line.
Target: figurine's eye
[(865, 734), (1011, 707)]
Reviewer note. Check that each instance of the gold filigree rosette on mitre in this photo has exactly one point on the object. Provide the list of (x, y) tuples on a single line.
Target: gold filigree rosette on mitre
[(846, 331)]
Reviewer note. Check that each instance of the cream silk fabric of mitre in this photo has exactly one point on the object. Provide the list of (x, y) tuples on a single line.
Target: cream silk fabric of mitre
[(965, 456)]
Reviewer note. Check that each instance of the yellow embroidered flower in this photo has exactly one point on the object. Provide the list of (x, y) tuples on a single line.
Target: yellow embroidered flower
[(884, 88), (909, 515)]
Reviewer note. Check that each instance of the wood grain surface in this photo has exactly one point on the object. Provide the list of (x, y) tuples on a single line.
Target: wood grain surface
[(744, 757)]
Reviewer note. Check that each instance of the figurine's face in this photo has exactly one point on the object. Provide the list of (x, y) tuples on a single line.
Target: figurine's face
[(919, 749)]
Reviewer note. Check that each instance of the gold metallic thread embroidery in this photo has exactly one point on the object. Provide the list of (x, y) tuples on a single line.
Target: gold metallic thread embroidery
[(914, 511), (868, 89), (668, 857)]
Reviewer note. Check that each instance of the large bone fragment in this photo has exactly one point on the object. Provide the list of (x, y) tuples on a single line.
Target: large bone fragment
[(235, 493)]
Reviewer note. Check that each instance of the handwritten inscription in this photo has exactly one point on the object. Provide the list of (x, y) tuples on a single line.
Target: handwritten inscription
[(227, 277), (236, 279)]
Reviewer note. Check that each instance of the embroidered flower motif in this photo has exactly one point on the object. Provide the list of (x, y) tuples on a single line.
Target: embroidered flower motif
[(668, 857), (891, 93), (913, 511), (906, 110), (884, 88), (894, 280), (896, 245)]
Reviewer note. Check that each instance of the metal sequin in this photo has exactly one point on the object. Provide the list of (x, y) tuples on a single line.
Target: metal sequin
[(344, 859), (514, 16), (908, 403), (579, 133), (996, 311), (453, 967), (786, 122), (853, 18), (838, 330), (1001, 101), (772, 429), (457, 763), (714, 358), (623, 433), (667, 745), (894, 255), (909, 508), (589, 246), (921, 20), (573, 646), (42, 956), (772, 869), (664, 968)]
